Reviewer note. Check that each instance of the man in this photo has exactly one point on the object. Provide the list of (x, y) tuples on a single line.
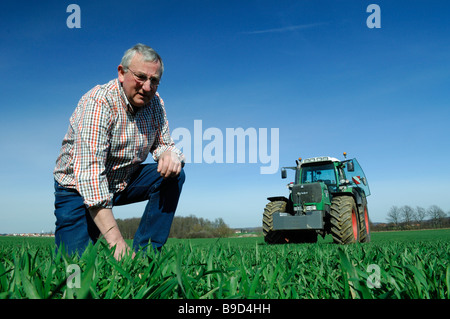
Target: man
[(111, 132)]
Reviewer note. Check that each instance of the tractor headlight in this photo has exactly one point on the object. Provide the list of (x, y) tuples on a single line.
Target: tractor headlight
[(310, 208)]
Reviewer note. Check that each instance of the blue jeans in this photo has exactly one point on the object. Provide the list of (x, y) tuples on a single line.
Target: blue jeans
[(76, 229)]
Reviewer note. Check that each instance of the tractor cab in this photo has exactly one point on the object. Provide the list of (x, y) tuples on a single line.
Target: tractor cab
[(321, 171)]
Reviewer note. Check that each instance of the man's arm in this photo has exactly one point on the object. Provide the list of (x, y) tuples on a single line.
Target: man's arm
[(91, 124), (106, 223)]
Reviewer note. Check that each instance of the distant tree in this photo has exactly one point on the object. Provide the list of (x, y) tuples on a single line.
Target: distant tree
[(407, 215), (194, 227), (437, 215), (222, 229), (182, 227), (393, 216), (399, 217), (420, 214), (128, 226)]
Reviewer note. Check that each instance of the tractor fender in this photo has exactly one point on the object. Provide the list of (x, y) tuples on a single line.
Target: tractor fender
[(289, 204), (277, 198), (360, 199)]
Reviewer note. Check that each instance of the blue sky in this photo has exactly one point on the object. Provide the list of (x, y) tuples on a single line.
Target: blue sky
[(312, 69)]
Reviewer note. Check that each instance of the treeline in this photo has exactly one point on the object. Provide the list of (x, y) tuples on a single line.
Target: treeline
[(407, 217), (182, 227)]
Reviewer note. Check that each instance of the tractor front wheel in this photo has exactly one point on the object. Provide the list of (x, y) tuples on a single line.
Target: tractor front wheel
[(345, 227), (272, 236)]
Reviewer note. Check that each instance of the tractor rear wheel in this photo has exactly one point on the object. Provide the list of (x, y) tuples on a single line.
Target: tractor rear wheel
[(345, 227), (272, 236), (364, 225)]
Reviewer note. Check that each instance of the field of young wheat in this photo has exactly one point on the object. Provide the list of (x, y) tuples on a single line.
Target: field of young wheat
[(395, 265)]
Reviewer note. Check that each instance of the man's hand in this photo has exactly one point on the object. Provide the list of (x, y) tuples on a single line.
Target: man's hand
[(106, 223), (169, 164), (121, 249)]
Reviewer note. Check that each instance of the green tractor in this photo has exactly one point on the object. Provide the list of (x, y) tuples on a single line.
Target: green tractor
[(328, 196)]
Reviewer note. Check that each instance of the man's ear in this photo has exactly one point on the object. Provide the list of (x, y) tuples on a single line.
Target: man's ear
[(121, 73)]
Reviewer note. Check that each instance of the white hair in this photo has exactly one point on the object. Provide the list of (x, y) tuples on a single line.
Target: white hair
[(148, 54)]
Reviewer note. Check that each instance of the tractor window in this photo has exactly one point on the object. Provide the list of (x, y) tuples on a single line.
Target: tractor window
[(319, 173)]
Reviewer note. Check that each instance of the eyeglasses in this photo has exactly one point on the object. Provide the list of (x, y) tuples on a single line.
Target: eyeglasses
[(142, 78)]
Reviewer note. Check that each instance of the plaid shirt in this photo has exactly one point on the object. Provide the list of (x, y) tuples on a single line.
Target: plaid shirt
[(106, 141)]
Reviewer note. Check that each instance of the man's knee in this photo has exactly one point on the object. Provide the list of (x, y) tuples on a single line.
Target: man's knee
[(179, 179)]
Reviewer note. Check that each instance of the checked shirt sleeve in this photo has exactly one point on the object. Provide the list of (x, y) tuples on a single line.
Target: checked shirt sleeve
[(91, 125)]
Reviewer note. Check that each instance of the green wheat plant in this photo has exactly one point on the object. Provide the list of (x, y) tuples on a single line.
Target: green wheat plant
[(414, 267)]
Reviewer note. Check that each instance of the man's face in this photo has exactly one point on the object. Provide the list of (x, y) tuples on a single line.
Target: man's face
[(138, 92)]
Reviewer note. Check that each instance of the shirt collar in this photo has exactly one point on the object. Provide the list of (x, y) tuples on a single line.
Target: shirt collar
[(127, 105)]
